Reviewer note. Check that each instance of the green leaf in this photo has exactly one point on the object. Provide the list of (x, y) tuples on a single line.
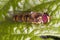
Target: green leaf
[(10, 30)]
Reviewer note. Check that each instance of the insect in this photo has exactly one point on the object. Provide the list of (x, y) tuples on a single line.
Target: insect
[(32, 17)]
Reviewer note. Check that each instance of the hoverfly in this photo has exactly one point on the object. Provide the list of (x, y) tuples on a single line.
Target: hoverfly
[(32, 17)]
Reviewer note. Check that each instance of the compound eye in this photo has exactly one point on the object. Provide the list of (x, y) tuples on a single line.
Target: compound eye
[(45, 18)]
